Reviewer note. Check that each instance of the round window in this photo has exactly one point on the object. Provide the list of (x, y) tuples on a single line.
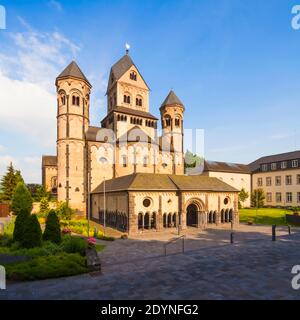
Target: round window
[(226, 201), (147, 203)]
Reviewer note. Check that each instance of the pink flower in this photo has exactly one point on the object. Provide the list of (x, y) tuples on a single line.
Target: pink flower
[(91, 241)]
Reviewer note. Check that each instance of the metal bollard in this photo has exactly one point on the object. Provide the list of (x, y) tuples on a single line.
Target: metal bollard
[(274, 233), (290, 230), (232, 238)]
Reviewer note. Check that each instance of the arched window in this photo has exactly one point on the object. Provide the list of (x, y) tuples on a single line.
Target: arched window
[(177, 122), (75, 101), (63, 100), (168, 122), (133, 76), (126, 99)]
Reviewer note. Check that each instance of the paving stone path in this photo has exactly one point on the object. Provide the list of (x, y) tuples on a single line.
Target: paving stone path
[(211, 268)]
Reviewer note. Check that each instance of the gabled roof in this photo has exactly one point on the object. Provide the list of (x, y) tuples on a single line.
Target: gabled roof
[(119, 69), (73, 71), (158, 182), (171, 99), (226, 167), (49, 161)]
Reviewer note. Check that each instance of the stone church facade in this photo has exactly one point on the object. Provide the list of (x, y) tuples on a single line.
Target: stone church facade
[(123, 167)]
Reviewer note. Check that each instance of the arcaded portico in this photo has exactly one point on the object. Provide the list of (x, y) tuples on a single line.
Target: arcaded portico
[(140, 202)]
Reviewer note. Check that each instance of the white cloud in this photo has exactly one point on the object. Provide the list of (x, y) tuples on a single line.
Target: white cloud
[(29, 166), (29, 63), (29, 109)]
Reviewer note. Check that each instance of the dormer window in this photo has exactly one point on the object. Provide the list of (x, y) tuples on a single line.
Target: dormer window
[(133, 76), (76, 101)]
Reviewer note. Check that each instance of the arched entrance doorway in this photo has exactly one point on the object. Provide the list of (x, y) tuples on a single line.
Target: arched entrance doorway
[(192, 216)]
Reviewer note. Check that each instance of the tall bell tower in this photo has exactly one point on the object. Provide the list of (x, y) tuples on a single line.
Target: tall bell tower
[(172, 116), (73, 102)]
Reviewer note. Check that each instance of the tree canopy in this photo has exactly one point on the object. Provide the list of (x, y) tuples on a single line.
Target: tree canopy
[(9, 182)]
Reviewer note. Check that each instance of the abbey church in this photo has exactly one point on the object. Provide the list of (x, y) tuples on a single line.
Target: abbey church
[(123, 174)]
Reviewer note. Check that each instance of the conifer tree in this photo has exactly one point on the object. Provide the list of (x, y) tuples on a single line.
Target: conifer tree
[(21, 199)]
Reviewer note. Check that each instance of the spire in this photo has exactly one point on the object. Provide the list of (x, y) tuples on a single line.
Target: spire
[(127, 46), (73, 70), (171, 100)]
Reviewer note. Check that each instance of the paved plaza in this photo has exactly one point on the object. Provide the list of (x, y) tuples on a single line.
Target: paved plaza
[(211, 268)]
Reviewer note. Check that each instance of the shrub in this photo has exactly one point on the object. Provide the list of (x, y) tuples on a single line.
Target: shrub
[(60, 265), (64, 212), (21, 199), (9, 228), (32, 233), (44, 206), (72, 244), (20, 223), (52, 231)]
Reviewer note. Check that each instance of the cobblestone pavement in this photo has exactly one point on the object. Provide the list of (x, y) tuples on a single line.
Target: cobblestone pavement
[(253, 268)]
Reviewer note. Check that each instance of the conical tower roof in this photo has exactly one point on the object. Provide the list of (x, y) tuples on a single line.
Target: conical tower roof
[(73, 70), (171, 99)]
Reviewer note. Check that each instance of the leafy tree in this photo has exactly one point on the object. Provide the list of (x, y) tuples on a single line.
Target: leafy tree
[(258, 198), (64, 212), (243, 196), (21, 199), (20, 222), (32, 233), (52, 231), (9, 182), (44, 206)]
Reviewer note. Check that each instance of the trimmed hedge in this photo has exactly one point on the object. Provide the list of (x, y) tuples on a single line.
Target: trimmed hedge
[(60, 265), (52, 231), (19, 230), (33, 233)]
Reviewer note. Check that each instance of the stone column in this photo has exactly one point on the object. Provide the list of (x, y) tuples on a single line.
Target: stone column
[(182, 211), (218, 215), (133, 219), (235, 214)]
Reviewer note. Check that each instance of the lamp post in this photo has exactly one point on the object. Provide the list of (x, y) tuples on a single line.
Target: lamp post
[(88, 204), (104, 205)]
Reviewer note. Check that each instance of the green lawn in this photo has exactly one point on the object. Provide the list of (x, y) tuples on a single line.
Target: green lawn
[(264, 216)]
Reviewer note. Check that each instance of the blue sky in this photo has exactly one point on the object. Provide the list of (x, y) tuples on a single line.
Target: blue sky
[(234, 63)]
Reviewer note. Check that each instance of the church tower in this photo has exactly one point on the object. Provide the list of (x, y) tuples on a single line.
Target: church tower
[(172, 116), (73, 99)]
